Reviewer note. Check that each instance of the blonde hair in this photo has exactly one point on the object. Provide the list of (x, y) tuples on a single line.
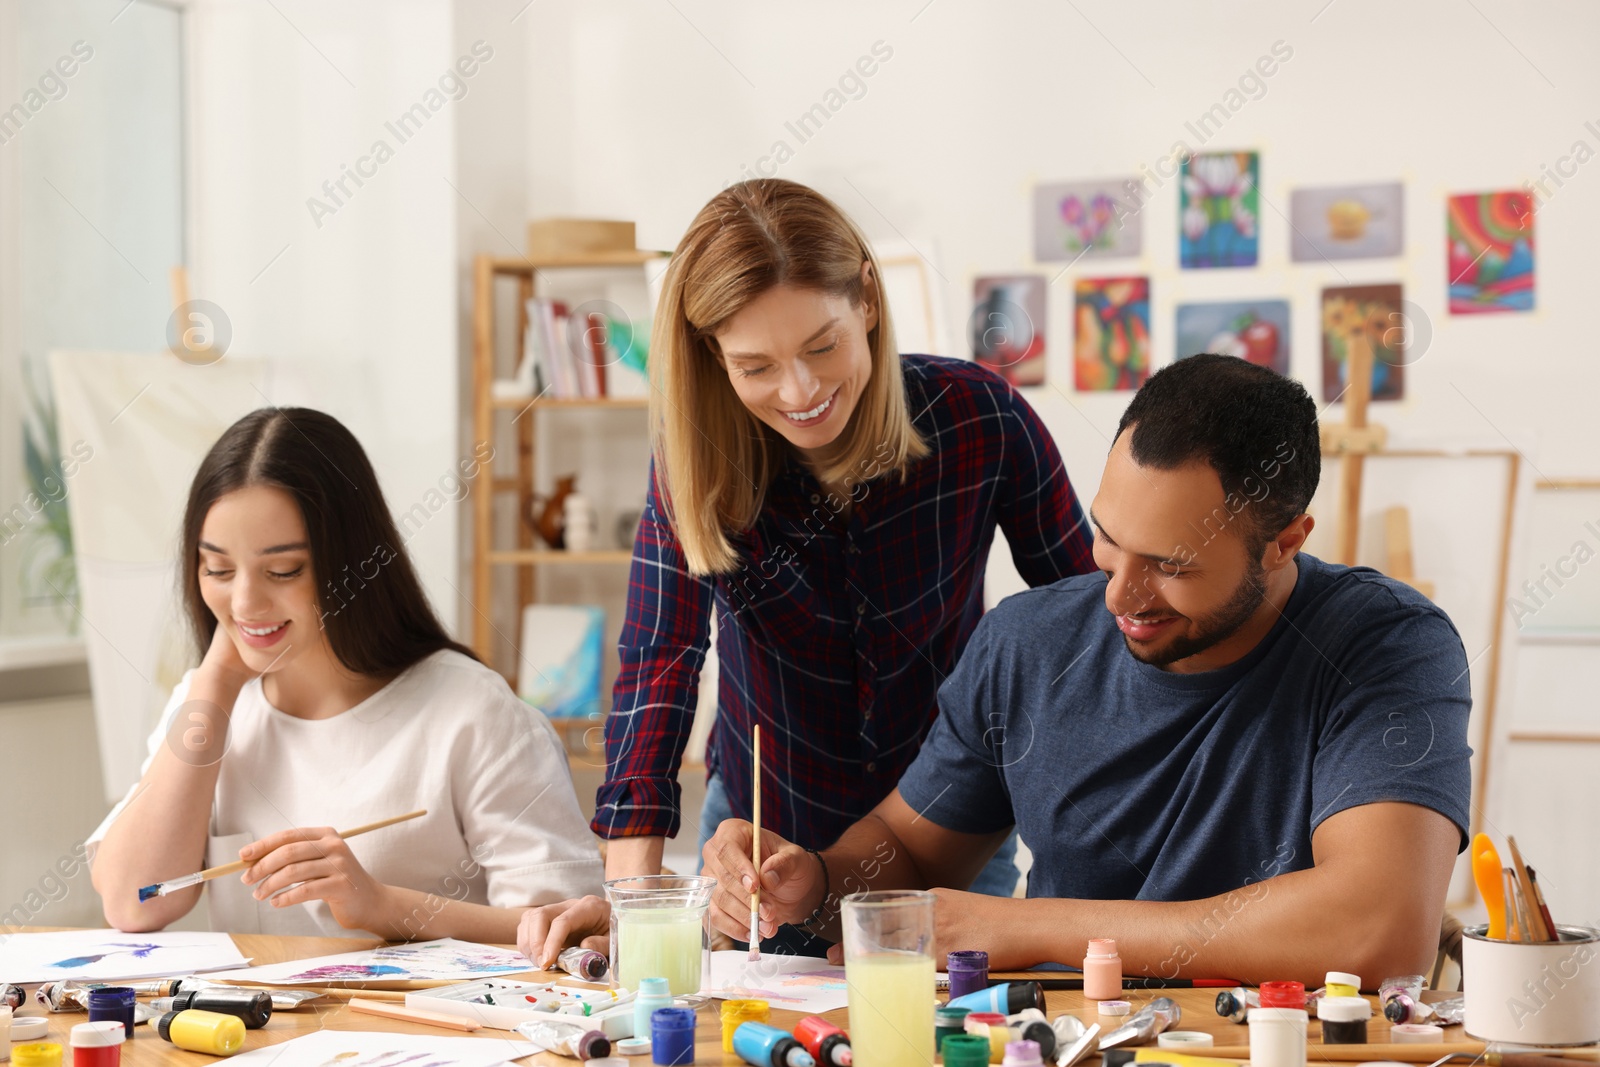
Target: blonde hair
[(713, 457)]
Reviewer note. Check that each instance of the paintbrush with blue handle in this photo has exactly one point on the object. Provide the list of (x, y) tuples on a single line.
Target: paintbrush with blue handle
[(161, 889)]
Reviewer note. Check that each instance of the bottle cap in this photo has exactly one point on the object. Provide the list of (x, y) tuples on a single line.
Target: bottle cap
[(1283, 995), (1344, 1009), (1416, 1033), (654, 987), (965, 1050), (1185, 1039), (633, 1046), (32, 1027), (102, 1034), (1333, 978), (1119, 1007), (1102, 947)]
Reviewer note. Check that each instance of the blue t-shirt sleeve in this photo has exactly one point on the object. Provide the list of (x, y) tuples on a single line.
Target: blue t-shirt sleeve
[(1398, 732), (956, 780)]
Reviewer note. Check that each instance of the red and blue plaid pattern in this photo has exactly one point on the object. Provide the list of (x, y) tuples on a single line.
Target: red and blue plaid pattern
[(837, 628)]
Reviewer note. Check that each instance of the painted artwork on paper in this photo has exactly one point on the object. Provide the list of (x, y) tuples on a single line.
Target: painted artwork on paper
[(106, 955), (799, 983), (1490, 252), (443, 959), (1376, 314), (1074, 220), (1253, 330), (1111, 343), (1346, 222), (1219, 210), (1007, 326)]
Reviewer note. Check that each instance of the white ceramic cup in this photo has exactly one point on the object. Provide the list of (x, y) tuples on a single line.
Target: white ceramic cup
[(1532, 993)]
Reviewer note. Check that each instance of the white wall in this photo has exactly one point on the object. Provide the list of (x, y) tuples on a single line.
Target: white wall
[(645, 111), (356, 309)]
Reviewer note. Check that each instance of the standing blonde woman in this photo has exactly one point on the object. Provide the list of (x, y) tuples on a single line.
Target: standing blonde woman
[(829, 503)]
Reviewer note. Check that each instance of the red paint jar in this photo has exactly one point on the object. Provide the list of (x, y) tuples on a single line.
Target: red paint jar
[(1283, 995), (98, 1044)]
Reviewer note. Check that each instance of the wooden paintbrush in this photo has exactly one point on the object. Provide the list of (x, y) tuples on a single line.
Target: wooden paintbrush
[(755, 849), (161, 889)]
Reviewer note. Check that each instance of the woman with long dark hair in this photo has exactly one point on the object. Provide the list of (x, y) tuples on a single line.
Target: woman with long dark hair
[(329, 696)]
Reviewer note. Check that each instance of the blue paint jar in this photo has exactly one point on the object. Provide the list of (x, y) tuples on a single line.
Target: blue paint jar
[(113, 1002), (672, 1037)]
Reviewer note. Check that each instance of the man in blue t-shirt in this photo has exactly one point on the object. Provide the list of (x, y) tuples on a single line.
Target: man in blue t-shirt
[(1231, 757)]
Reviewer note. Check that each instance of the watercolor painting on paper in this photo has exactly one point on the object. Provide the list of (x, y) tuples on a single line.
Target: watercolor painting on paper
[(799, 983), (1111, 343), (1490, 252), (1219, 210), (443, 959), (105, 955), (358, 1048)]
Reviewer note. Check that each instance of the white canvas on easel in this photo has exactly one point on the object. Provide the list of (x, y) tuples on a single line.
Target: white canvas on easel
[(149, 419)]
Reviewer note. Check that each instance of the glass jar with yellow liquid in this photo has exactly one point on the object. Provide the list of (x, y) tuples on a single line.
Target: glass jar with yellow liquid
[(889, 968), (658, 930)]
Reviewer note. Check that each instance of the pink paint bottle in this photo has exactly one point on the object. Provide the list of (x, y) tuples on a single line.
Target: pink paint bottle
[(1102, 971)]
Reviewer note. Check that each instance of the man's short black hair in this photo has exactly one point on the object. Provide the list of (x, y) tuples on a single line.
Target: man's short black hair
[(1256, 428)]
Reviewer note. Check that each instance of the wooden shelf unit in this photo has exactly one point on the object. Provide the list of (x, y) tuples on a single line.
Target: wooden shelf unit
[(486, 271)]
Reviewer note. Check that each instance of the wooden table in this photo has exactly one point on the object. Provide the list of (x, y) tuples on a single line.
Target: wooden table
[(148, 1049)]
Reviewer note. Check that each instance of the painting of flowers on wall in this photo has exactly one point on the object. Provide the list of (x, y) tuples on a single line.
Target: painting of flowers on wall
[(1219, 210), (1072, 220), (1376, 313), (1490, 252), (1111, 343)]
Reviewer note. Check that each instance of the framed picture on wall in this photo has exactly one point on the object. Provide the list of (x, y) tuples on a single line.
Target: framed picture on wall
[(1219, 210), (1254, 330), (1074, 220), (1111, 333), (1346, 222), (1375, 312), (1007, 326), (1489, 252)]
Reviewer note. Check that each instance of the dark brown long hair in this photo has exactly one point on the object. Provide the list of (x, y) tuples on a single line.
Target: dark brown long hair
[(377, 617)]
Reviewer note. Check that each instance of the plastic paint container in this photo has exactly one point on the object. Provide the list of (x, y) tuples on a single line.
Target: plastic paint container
[(112, 1002), (1102, 971), (29, 1028), (633, 1046), (36, 1054), (766, 1046), (965, 1050), (1344, 1020), (1022, 1054), (829, 1045), (672, 1036), (252, 1007), (968, 971), (210, 1032), (1283, 995), (5, 1033), (97, 1044), (948, 1021), (735, 1012), (1277, 1035), (1341, 984), (1115, 1007), (654, 994)]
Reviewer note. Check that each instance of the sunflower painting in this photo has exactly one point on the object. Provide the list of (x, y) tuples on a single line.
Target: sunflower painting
[(1377, 312), (1111, 346)]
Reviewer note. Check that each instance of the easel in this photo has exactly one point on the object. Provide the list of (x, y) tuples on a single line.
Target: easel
[(1353, 441)]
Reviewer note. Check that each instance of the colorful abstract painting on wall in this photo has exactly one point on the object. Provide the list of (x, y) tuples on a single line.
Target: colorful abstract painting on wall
[(1072, 220), (1254, 330), (1111, 346), (1219, 210), (1489, 248), (1007, 326), (1373, 312)]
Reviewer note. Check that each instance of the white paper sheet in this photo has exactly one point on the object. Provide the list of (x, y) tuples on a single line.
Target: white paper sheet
[(107, 955), (361, 1048), (443, 959), (796, 983)]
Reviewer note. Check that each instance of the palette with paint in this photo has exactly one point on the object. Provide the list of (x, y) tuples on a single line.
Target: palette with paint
[(502, 1003)]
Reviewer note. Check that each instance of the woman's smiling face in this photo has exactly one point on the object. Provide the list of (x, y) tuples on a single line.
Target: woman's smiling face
[(800, 360), (256, 577)]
